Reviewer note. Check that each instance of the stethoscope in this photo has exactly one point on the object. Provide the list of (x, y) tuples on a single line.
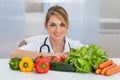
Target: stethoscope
[(45, 45)]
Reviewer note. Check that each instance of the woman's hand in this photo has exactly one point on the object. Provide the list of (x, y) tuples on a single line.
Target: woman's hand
[(60, 57), (61, 54)]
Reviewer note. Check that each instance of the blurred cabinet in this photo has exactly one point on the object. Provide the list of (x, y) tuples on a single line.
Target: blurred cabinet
[(110, 26), (33, 17)]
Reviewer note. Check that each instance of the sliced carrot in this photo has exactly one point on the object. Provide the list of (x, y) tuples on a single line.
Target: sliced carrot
[(106, 63), (113, 70), (97, 71), (103, 71)]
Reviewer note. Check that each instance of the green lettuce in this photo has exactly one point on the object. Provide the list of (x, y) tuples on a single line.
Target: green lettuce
[(86, 59)]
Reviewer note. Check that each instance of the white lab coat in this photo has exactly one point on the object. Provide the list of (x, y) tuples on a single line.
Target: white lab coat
[(36, 44)]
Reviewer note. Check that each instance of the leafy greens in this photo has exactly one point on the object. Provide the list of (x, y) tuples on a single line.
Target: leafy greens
[(86, 59)]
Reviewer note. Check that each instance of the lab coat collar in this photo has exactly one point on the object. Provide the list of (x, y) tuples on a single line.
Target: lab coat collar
[(66, 48)]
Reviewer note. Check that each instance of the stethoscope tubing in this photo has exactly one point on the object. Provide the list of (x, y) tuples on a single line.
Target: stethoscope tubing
[(44, 44)]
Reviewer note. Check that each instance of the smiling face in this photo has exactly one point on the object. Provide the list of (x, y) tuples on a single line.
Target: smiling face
[(57, 22), (56, 28)]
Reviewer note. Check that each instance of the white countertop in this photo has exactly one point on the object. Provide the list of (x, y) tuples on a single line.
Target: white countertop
[(7, 74)]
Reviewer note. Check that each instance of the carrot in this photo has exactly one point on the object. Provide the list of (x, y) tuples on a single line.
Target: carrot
[(106, 63), (103, 71), (98, 71), (113, 70)]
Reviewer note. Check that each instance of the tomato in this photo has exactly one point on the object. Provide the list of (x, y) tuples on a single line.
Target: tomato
[(49, 58), (56, 58), (63, 58)]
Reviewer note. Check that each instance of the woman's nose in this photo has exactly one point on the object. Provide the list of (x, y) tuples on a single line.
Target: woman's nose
[(57, 28)]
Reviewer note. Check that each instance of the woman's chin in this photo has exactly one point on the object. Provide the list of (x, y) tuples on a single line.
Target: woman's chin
[(57, 37)]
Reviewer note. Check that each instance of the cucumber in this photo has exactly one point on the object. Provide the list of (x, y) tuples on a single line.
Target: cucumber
[(61, 66)]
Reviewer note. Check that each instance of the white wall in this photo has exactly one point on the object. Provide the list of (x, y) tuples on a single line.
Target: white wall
[(34, 24), (33, 17), (12, 25)]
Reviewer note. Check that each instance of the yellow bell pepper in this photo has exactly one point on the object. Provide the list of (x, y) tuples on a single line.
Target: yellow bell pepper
[(26, 64)]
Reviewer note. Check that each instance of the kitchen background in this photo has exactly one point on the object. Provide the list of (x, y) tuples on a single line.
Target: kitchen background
[(91, 21)]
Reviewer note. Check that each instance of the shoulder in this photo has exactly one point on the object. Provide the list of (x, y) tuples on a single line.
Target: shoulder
[(36, 38), (33, 45), (36, 42), (75, 43)]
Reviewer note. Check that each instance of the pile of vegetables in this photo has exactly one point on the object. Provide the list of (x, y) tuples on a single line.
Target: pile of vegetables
[(83, 60), (27, 64), (87, 58), (40, 64)]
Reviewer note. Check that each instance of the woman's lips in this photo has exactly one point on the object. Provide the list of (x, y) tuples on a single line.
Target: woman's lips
[(57, 34)]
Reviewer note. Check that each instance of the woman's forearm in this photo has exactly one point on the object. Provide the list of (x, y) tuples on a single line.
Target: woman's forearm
[(23, 53)]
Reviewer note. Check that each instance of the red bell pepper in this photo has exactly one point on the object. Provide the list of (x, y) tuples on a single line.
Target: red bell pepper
[(42, 65)]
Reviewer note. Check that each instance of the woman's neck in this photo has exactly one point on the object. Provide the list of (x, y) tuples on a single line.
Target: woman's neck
[(57, 45)]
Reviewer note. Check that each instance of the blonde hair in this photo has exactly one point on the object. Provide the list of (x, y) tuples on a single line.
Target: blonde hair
[(59, 12)]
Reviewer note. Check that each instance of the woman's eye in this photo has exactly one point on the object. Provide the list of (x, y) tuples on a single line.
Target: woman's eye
[(62, 25), (52, 25)]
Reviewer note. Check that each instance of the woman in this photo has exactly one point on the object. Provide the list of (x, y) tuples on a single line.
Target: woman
[(56, 44)]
